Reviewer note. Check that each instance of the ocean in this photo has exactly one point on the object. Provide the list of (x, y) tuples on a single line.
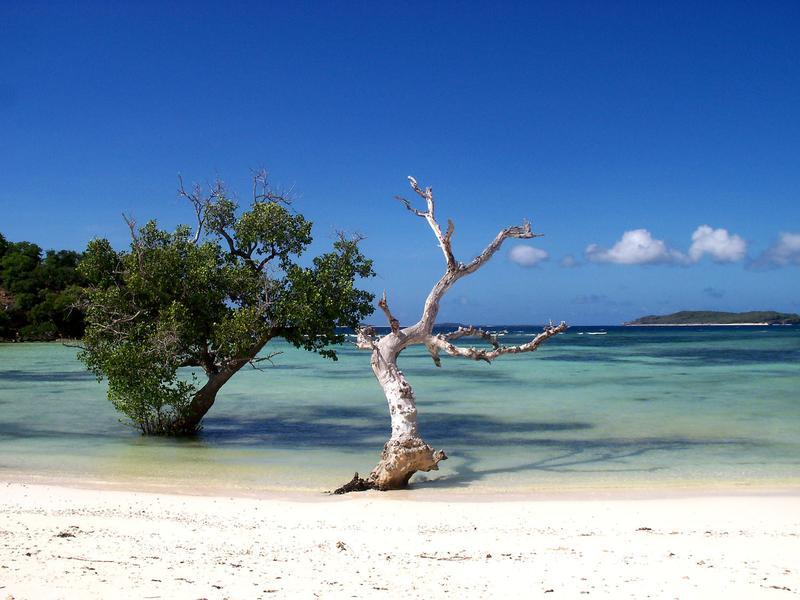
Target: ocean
[(597, 408)]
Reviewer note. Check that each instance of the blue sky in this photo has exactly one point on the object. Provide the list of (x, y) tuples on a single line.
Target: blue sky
[(589, 119)]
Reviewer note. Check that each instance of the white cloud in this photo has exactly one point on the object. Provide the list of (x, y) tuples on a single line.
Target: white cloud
[(527, 256), (636, 247), (717, 243), (784, 252), (569, 262)]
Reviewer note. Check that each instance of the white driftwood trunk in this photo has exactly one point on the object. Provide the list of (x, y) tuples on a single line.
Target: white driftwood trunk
[(406, 452)]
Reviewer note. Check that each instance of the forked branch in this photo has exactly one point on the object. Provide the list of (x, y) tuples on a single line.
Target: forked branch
[(200, 202), (421, 332), (442, 343), (263, 191), (430, 216)]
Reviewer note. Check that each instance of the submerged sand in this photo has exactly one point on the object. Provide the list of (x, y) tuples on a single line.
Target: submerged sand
[(58, 542)]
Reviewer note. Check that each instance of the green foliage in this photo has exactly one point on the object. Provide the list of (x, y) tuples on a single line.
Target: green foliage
[(141, 373), (210, 300), (320, 298), (37, 293)]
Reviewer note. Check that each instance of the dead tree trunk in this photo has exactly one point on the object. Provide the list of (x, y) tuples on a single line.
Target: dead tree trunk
[(406, 452)]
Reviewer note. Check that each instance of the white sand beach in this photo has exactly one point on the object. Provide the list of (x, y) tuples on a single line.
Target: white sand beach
[(61, 542)]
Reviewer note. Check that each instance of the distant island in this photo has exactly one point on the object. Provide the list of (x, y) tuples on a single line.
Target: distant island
[(711, 317)]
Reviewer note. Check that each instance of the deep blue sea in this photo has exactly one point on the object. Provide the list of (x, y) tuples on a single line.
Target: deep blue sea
[(594, 408)]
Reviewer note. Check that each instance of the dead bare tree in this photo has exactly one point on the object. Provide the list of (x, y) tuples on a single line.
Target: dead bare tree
[(406, 452)]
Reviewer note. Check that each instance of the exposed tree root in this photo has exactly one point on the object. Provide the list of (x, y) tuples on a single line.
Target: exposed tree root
[(356, 484)]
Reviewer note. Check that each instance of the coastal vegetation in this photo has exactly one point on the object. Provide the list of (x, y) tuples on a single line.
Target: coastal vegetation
[(710, 317), (38, 291), (407, 452), (210, 298)]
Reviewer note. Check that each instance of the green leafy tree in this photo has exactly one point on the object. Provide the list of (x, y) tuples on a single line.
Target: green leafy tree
[(37, 295), (17, 270), (211, 298)]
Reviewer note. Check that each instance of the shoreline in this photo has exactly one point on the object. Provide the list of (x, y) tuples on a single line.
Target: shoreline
[(702, 325), (429, 491), (58, 542)]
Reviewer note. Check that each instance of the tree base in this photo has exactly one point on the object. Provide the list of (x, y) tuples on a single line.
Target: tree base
[(167, 426), (400, 459)]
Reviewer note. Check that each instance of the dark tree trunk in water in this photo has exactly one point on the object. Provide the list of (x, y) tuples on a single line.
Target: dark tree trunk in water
[(189, 420), (201, 403)]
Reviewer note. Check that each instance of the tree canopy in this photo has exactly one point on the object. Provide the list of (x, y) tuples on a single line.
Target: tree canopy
[(38, 292), (211, 297)]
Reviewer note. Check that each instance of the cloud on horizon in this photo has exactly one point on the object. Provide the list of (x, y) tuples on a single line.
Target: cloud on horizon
[(783, 253), (527, 256), (639, 247)]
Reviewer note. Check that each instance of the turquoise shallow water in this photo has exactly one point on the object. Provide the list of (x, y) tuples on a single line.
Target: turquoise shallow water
[(629, 408)]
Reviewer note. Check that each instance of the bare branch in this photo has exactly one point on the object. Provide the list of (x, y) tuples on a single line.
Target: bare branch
[(126, 318), (259, 176), (131, 223), (455, 270), (449, 233), (198, 202), (472, 332), (355, 236), (262, 191), (417, 189), (78, 346), (410, 207), (517, 231), (393, 323), (440, 342), (434, 354), (254, 361), (430, 216), (135, 243), (116, 319), (365, 338)]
